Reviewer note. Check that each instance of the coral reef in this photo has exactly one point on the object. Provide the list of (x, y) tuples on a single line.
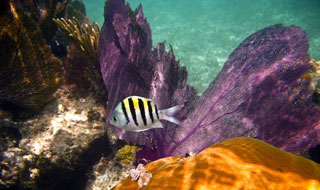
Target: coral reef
[(268, 89), (237, 163), (68, 137), (29, 73), (259, 93)]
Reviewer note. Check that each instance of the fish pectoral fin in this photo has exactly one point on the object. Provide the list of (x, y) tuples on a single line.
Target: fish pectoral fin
[(157, 125)]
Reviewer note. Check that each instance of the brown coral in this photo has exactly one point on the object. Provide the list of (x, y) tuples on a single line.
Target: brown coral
[(86, 35), (82, 71), (237, 163), (29, 73), (42, 12)]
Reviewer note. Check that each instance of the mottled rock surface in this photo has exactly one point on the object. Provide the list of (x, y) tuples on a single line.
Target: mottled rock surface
[(9, 133), (233, 164), (75, 72), (107, 173), (67, 138)]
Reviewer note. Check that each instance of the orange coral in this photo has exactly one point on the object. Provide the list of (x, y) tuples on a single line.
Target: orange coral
[(237, 163)]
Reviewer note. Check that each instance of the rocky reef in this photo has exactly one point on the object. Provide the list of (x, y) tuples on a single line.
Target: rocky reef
[(68, 138), (109, 171), (61, 133), (259, 93), (236, 163)]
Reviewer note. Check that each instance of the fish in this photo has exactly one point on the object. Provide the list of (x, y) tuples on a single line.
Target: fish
[(137, 114)]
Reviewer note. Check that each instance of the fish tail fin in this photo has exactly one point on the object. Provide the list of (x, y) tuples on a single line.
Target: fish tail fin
[(167, 114)]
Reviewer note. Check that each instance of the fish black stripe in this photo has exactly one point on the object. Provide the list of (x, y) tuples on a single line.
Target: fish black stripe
[(125, 111), (143, 114), (156, 111), (133, 111), (150, 111)]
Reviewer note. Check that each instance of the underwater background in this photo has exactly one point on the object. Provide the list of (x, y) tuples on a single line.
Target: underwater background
[(204, 33), (244, 75)]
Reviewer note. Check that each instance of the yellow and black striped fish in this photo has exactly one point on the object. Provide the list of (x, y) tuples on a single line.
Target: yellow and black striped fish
[(137, 114)]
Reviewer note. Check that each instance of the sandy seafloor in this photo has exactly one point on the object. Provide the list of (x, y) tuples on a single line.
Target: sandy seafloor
[(203, 33)]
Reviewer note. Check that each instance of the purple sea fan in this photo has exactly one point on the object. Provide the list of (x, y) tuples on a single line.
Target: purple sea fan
[(123, 49), (130, 67), (259, 92)]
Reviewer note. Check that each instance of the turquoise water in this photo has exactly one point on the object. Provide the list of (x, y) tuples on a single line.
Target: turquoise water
[(204, 32)]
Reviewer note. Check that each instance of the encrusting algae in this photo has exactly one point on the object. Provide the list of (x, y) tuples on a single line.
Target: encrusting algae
[(127, 154), (237, 163)]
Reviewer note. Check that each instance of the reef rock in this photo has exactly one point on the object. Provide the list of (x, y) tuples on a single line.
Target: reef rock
[(259, 92), (67, 138), (107, 173), (130, 67), (74, 73), (29, 73), (82, 71), (237, 163)]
